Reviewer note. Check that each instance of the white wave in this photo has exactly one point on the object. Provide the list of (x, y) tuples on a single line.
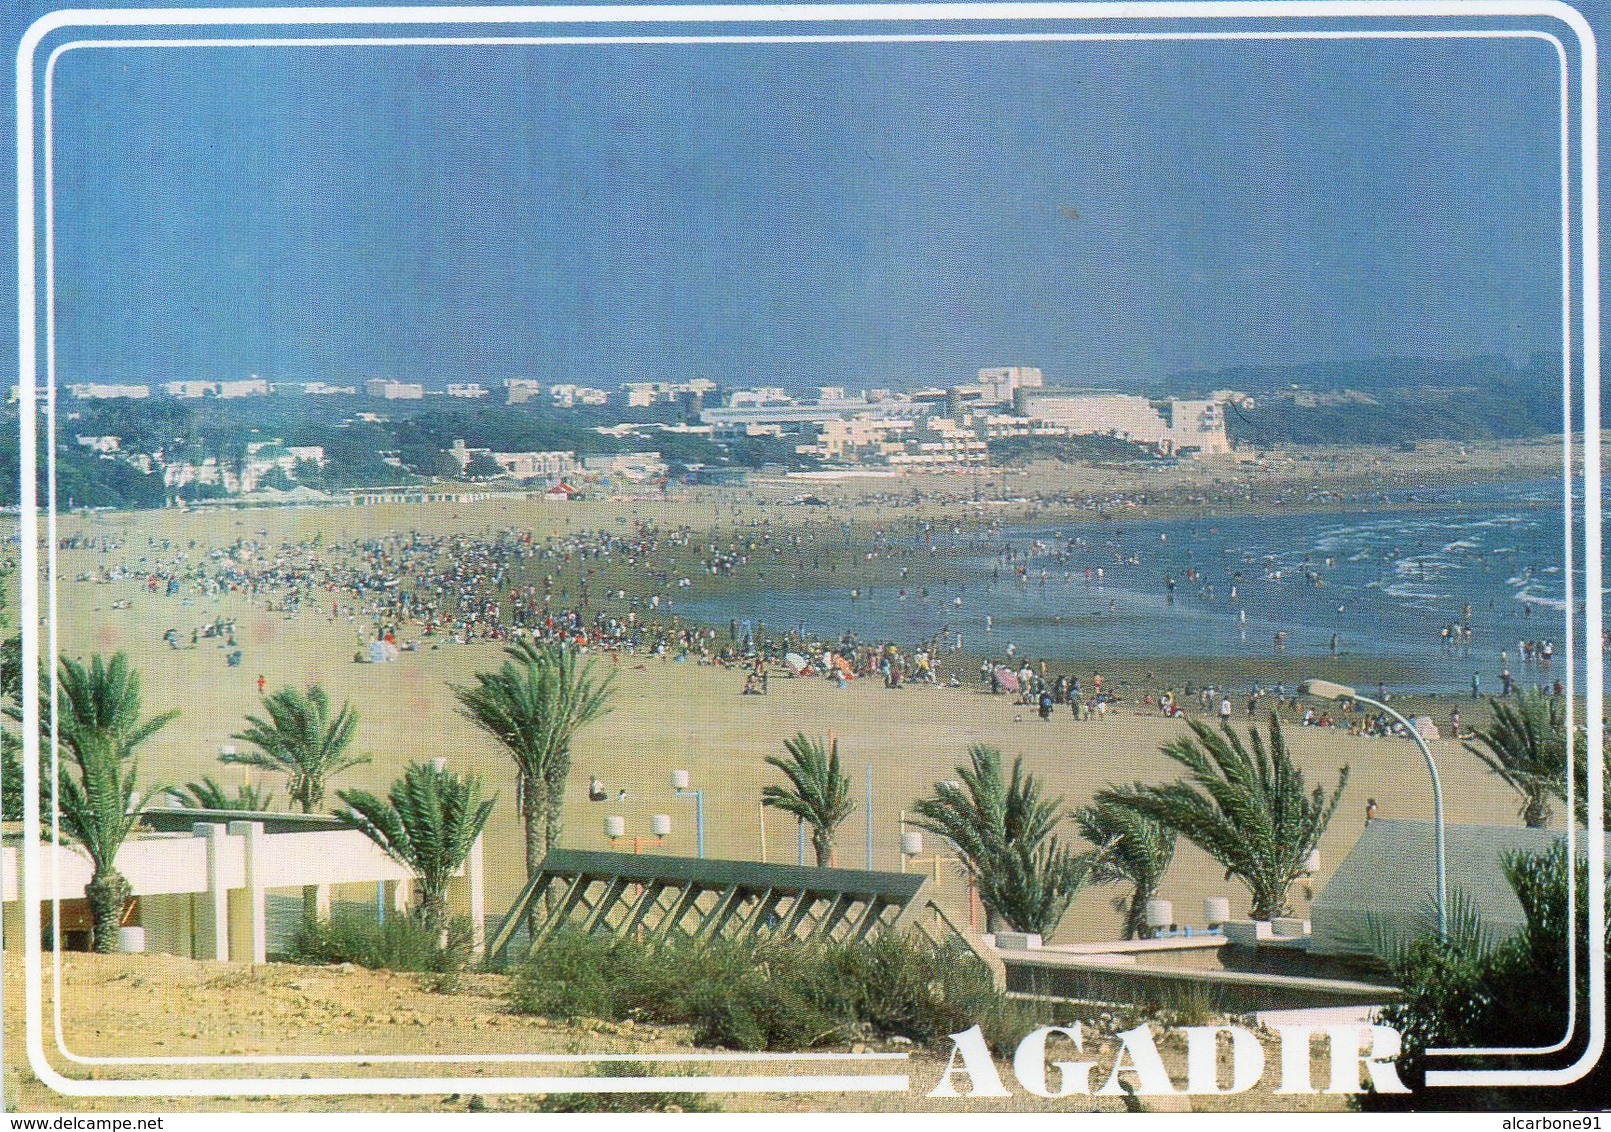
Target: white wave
[(1527, 597), (1407, 591)]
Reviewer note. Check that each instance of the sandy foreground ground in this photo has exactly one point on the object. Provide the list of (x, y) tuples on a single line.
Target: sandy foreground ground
[(317, 1022), (666, 716)]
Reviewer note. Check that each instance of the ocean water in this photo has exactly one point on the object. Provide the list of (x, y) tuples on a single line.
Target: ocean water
[(1382, 578)]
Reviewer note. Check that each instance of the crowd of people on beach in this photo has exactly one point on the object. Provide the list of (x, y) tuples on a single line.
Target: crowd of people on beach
[(413, 588), (617, 592)]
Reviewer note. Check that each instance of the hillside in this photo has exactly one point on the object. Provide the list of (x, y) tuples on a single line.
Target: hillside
[(1390, 401)]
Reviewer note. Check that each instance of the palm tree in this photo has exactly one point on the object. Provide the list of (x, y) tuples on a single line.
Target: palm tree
[(1580, 798), (428, 823), (533, 705), (1526, 746), (11, 708), (1130, 848), (818, 792), (1032, 889), (1002, 831), (1246, 809), (209, 795), (11, 801), (301, 740), (98, 727)]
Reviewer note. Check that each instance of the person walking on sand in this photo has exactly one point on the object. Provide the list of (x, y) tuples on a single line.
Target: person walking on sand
[(261, 683), (1225, 711), (1370, 810)]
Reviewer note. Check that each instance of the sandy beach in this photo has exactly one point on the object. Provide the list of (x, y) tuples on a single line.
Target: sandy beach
[(668, 714)]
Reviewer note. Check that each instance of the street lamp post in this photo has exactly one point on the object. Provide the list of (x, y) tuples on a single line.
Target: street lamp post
[(1326, 690), (679, 784)]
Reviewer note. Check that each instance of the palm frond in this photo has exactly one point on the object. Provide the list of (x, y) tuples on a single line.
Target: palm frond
[(1245, 805), (209, 795), (98, 727), (1128, 847), (302, 740), (818, 792), (533, 705), (1001, 828), (428, 823), (1525, 746)]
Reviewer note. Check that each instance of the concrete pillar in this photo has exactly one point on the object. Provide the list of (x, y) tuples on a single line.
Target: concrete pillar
[(478, 897), (402, 896), (248, 906), (212, 915), (321, 901)]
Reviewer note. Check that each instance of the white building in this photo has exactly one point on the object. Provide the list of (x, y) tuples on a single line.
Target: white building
[(389, 389), (519, 390), (870, 439), (641, 394), (1170, 426), (98, 391), (467, 389), (101, 445), (519, 465), (200, 880), (749, 398), (205, 472), (189, 390), (998, 384), (253, 386), (535, 465), (634, 466), (569, 396), (740, 419)]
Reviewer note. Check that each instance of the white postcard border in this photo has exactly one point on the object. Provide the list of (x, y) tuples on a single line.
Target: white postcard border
[(759, 14)]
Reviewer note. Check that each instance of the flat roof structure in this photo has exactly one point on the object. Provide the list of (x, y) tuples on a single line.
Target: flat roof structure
[(200, 878), (1386, 884)]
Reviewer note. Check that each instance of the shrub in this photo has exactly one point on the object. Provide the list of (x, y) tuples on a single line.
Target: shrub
[(573, 976), (1459, 995), (626, 1102), (774, 997), (783, 1002), (400, 944)]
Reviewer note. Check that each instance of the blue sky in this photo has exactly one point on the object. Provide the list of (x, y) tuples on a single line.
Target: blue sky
[(845, 214)]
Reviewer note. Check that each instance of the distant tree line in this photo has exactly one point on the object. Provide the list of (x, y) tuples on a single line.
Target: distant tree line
[(355, 451), (1092, 448)]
